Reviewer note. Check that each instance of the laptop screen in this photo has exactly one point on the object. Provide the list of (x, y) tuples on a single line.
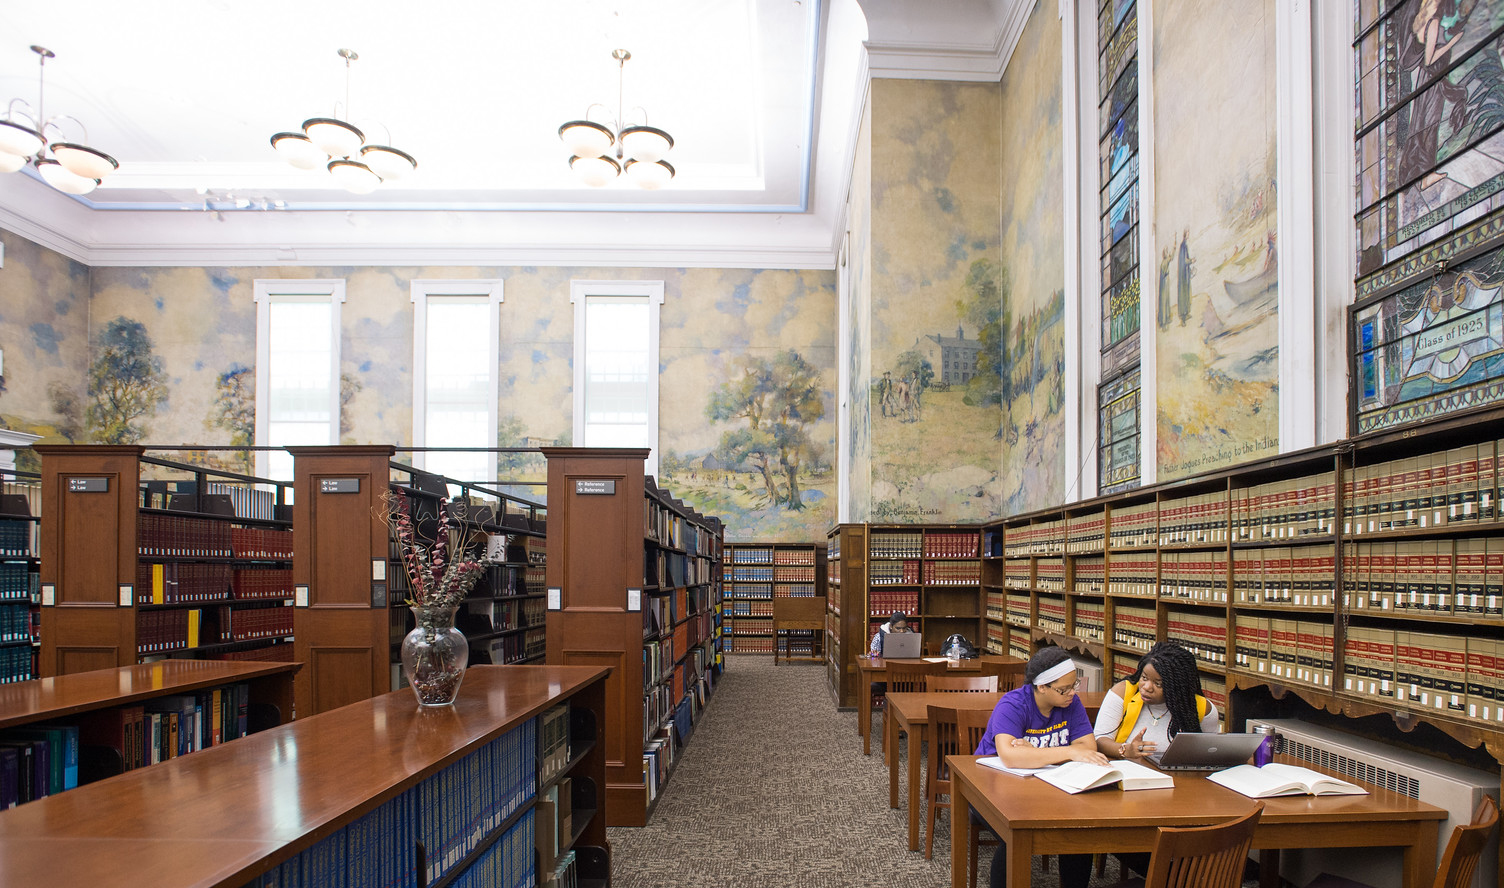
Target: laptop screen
[(900, 645)]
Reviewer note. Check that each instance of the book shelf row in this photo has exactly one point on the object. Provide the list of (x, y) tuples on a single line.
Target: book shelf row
[(759, 580)]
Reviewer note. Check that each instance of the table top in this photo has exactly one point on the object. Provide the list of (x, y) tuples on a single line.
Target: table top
[(1027, 803), (64, 695)]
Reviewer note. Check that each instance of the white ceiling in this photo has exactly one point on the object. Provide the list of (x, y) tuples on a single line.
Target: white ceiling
[(762, 97)]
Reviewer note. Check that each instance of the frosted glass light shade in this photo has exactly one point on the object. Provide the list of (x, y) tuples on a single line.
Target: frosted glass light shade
[(354, 176), (649, 176), (9, 163), (595, 171), (586, 138), (18, 139), (298, 150), (81, 160), (646, 143), (388, 162), (58, 176), (333, 137)]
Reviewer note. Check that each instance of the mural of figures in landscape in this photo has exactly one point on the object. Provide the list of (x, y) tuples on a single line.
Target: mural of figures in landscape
[(1020, 307), (747, 403), (1438, 163), (858, 310), (936, 442), (1217, 361)]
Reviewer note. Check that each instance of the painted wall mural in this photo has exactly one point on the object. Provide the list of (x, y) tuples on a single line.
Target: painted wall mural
[(44, 337), (936, 441), (1020, 304), (1217, 360), (858, 310)]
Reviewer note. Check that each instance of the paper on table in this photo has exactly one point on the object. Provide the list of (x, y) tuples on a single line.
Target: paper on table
[(996, 763), (935, 659)]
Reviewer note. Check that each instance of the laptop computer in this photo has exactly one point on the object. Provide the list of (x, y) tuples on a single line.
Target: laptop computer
[(1208, 752), (901, 645)]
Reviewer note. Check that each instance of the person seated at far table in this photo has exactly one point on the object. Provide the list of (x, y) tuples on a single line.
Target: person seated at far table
[(899, 622), (1141, 713), (1038, 724)]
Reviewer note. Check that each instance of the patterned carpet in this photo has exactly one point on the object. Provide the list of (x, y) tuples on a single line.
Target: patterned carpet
[(773, 792)]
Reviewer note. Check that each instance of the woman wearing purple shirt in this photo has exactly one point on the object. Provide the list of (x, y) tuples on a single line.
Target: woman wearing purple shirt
[(1038, 724)]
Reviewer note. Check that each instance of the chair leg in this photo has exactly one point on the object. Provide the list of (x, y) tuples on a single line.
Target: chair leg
[(929, 832)]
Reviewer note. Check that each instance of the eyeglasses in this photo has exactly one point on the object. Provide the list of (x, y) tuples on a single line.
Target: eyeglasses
[(1067, 690)]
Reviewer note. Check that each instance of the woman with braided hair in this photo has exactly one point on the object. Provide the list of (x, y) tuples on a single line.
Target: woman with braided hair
[(1143, 712)]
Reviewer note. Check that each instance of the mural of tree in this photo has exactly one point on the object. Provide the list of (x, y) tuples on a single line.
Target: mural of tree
[(69, 412), (987, 293), (126, 383), (235, 409), (349, 386), (778, 398)]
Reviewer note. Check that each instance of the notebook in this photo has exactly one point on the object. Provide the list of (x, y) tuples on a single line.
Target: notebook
[(901, 645), (1190, 751)]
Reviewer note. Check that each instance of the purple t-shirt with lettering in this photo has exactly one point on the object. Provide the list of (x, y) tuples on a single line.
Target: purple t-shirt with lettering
[(1017, 716)]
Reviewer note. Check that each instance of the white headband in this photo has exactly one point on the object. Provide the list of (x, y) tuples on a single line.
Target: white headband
[(1059, 670)]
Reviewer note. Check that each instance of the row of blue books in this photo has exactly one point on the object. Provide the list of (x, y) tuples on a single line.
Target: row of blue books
[(37, 761), (15, 663)]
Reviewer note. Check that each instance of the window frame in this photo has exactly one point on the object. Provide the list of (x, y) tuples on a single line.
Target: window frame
[(267, 292), (581, 291), (420, 292)]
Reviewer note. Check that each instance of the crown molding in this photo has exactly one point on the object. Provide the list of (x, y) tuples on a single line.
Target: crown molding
[(43, 236), (960, 60)]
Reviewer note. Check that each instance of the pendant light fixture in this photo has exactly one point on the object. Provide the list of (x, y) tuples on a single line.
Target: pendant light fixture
[(340, 147), (639, 149), (71, 167)]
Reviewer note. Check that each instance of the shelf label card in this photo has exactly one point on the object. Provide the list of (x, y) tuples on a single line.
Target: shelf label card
[(127, 594), (378, 569), (595, 487), (555, 598), (300, 596), (378, 593), (88, 485), (49, 594), (339, 485), (634, 599)]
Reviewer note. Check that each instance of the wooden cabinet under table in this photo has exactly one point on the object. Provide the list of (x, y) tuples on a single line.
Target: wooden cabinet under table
[(316, 791)]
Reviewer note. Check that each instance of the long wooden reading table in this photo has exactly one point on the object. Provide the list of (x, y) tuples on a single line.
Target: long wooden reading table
[(872, 669), (1034, 817), (909, 713)]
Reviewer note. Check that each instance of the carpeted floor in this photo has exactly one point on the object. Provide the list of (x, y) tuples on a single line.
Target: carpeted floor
[(773, 792)]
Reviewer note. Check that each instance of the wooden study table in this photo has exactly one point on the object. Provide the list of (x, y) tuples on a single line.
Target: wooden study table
[(909, 712), (1034, 817), (872, 669)]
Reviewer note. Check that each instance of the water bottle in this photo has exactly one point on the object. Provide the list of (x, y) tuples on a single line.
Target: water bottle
[(1270, 745)]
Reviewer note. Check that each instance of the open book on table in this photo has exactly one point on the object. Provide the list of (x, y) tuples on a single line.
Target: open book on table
[(1276, 779), (1074, 777)]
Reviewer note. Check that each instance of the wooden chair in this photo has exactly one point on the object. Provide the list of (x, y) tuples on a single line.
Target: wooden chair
[(1009, 675), (1203, 856), (971, 724), (974, 684), (945, 739), (1465, 847), (903, 678)]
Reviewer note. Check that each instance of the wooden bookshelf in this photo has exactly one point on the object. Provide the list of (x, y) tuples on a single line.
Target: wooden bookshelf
[(768, 580), (20, 577), (381, 776), (144, 558), (845, 610), (633, 584)]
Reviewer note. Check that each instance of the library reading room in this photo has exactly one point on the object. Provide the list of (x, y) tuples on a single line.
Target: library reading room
[(1032, 443)]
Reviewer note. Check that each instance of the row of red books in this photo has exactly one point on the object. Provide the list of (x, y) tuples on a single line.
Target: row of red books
[(247, 624)]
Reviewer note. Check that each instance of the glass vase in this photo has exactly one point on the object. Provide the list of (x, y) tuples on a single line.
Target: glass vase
[(434, 655)]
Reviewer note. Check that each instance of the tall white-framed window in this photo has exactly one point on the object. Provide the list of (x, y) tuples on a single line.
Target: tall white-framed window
[(456, 359), (297, 368), (616, 364)]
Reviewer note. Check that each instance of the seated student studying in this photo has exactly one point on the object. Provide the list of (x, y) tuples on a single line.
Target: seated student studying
[(1039, 724), (899, 622), (1141, 713)]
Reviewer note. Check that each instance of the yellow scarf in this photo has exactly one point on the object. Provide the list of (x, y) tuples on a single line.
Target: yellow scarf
[(1133, 702)]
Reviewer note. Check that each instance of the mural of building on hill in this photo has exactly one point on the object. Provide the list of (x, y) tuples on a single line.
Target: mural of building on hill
[(934, 378), (1028, 286), (1217, 360)]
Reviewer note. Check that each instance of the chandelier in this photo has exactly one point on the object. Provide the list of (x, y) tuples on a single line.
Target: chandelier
[(72, 167), (341, 148), (640, 148)]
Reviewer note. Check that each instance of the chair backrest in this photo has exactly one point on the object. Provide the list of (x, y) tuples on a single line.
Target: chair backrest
[(972, 725), (1009, 675), (908, 677), (945, 739), (1460, 858), (1203, 856), (976, 684)]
